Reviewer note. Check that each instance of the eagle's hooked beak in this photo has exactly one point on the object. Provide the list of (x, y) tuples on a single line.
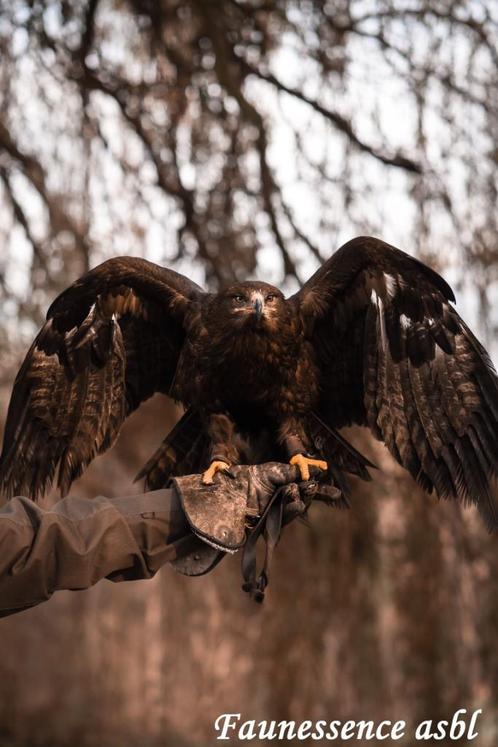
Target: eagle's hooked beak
[(258, 306)]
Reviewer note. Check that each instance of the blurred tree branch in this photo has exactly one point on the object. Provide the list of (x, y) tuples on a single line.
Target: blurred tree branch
[(204, 92)]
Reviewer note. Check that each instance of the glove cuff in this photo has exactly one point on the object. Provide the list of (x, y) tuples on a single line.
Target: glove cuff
[(216, 513)]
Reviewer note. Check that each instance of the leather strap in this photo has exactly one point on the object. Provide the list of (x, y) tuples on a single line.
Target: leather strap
[(269, 526)]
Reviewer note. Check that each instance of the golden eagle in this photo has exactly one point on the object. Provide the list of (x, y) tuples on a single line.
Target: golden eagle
[(371, 338)]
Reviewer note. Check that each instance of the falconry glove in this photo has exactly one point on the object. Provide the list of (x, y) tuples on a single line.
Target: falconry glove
[(220, 513), (237, 509)]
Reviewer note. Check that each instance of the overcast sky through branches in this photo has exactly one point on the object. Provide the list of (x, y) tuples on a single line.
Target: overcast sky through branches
[(229, 141)]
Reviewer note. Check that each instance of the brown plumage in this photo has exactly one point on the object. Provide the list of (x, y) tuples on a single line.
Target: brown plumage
[(371, 339)]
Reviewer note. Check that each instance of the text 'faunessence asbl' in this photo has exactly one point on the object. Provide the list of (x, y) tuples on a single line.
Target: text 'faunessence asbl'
[(461, 726)]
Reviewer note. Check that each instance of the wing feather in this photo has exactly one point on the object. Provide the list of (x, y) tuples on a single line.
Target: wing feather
[(110, 341), (394, 354)]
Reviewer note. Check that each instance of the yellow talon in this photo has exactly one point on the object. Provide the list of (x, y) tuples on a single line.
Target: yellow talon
[(304, 464), (214, 467)]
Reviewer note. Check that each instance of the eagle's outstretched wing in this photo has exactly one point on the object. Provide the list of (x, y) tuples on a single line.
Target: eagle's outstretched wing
[(394, 355), (110, 341)]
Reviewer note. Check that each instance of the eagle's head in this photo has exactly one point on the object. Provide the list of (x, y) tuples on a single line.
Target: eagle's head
[(252, 305)]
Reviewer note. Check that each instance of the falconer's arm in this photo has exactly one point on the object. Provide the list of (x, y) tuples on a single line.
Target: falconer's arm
[(78, 542)]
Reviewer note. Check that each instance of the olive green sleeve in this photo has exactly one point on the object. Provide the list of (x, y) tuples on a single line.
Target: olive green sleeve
[(77, 542)]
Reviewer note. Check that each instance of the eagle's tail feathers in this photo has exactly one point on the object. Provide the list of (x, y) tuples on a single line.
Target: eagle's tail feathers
[(338, 450), (182, 452)]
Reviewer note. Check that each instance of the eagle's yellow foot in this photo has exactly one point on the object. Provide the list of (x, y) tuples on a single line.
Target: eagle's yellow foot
[(214, 467), (304, 464)]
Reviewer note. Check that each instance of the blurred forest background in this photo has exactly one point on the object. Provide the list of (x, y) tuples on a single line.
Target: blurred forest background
[(230, 138)]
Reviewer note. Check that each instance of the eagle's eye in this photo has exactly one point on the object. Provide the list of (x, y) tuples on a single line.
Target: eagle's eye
[(271, 297), (238, 299)]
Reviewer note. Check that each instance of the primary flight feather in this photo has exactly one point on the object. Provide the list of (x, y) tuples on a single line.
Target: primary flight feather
[(372, 338)]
